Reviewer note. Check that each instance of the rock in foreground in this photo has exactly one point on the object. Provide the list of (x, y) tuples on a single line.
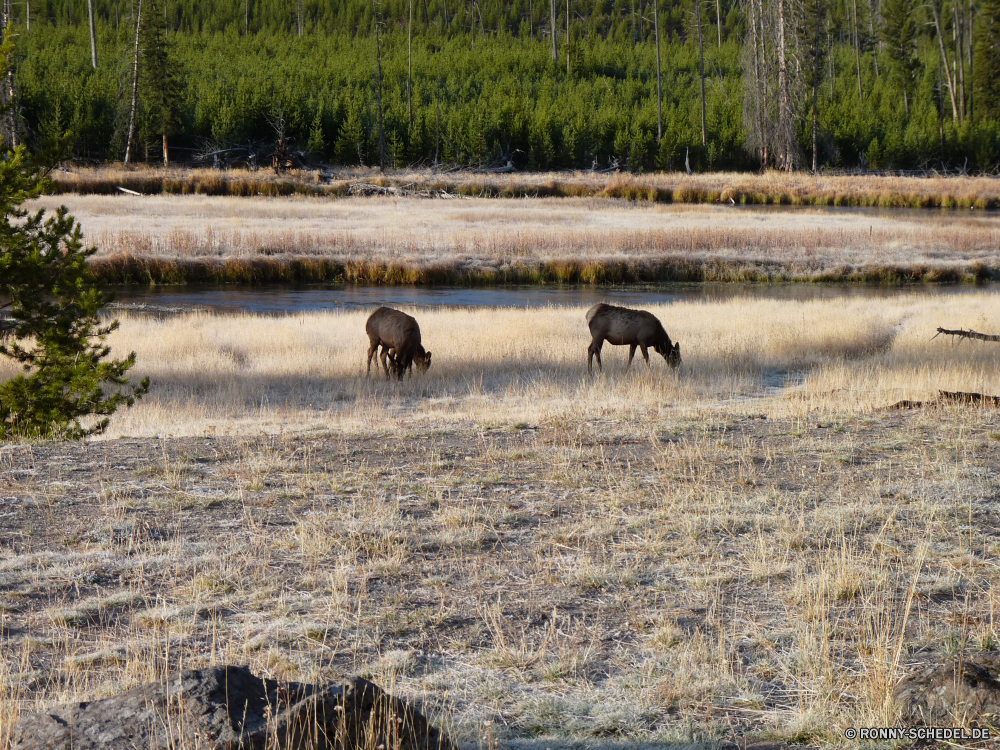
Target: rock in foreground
[(229, 707), (952, 693)]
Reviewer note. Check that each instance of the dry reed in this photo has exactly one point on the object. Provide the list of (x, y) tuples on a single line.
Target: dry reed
[(203, 239), (771, 188)]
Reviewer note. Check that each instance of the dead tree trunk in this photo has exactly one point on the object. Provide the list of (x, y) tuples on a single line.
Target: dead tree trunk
[(567, 37), (944, 58), (135, 87), (552, 28), (701, 50), (857, 51), (959, 60), (718, 20), (659, 97), (409, 66), (378, 81), (967, 334), (786, 126), (93, 33)]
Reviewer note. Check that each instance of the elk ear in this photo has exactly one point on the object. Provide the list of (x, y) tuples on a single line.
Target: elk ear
[(677, 347), (427, 358)]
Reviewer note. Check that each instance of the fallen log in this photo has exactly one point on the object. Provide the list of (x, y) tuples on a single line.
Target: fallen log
[(908, 404), (953, 397), (962, 397), (970, 334)]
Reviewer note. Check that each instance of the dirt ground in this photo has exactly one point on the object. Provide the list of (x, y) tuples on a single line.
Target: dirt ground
[(673, 582)]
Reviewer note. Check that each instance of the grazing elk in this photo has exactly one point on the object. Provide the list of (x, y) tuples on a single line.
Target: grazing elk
[(399, 336), (634, 328)]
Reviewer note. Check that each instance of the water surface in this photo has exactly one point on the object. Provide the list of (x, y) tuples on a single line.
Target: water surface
[(284, 300)]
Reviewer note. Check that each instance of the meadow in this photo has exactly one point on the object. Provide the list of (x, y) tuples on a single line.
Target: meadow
[(754, 548), (167, 239), (772, 187)]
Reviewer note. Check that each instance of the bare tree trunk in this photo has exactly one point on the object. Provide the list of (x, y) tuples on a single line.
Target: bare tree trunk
[(944, 59), (567, 37), (437, 125), (552, 29), (786, 128), (871, 29), (833, 70), (659, 96), (27, 15), (11, 129), (701, 50), (93, 34), (815, 103), (765, 138), (409, 66), (972, 77), (857, 50), (135, 87), (246, 17), (959, 60), (756, 116), (298, 15), (166, 154), (718, 20), (378, 79)]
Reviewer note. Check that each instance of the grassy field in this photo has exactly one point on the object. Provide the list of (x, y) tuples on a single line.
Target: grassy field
[(198, 238), (753, 548), (771, 188)]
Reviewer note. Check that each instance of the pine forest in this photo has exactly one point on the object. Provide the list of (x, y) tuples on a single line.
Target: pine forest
[(565, 84)]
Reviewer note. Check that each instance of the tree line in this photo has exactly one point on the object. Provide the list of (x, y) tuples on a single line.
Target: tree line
[(637, 84)]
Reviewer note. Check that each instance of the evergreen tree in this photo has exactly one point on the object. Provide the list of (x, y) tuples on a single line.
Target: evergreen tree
[(899, 32), (159, 81), (987, 62), (54, 331)]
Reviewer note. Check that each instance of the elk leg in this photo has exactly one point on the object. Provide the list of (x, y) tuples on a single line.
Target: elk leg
[(385, 365), (371, 353), (594, 350), (631, 353), (645, 356)]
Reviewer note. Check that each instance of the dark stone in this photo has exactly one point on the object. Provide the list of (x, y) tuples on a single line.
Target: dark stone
[(950, 693), (228, 707)]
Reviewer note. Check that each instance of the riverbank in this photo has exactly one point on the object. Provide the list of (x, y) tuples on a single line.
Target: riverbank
[(771, 188), (197, 239)]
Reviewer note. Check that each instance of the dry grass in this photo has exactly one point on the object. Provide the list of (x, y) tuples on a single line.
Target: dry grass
[(771, 188), (248, 373), (176, 239), (542, 558)]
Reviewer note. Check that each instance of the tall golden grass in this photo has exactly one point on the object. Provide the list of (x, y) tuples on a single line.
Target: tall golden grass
[(771, 188), (203, 239), (237, 373), (541, 557)]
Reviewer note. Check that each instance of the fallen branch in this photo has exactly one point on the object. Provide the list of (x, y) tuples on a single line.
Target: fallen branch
[(966, 334), (954, 397), (130, 192), (968, 398)]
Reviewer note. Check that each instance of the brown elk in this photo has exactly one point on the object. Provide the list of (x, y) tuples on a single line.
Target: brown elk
[(633, 328), (399, 336)]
